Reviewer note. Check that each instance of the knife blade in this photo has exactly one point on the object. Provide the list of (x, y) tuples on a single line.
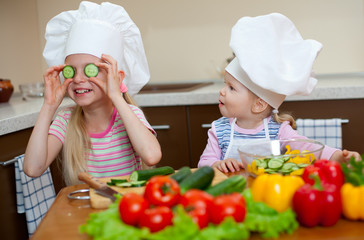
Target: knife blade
[(100, 187)]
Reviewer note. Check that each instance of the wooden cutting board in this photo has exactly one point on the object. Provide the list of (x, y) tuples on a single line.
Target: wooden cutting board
[(100, 202)]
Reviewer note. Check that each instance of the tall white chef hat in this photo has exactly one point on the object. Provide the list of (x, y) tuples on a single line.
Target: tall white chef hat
[(99, 29), (272, 59)]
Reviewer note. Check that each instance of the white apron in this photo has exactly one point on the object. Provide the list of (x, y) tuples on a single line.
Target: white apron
[(232, 150)]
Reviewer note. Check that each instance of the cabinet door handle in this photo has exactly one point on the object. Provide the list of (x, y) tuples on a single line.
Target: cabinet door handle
[(206, 125), (161, 127)]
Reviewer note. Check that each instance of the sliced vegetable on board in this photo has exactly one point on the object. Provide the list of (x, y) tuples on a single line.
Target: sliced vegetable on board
[(318, 204)]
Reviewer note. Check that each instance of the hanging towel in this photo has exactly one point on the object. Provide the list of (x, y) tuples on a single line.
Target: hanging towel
[(326, 131), (34, 195)]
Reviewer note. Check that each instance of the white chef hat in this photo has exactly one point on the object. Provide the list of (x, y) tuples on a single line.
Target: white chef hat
[(99, 29), (272, 59)]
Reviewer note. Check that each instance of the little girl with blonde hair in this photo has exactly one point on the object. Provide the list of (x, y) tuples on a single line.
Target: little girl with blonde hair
[(272, 61), (99, 50)]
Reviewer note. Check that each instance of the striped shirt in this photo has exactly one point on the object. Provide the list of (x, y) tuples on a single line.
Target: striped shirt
[(111, 152)]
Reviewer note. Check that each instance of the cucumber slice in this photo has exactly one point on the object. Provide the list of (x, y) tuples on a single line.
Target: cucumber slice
[(132, 184), (113, 181), (91, 70), (275, 163), (288, 166), (68, 72)]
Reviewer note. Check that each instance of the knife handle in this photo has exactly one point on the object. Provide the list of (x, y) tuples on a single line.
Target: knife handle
[(90, 180)]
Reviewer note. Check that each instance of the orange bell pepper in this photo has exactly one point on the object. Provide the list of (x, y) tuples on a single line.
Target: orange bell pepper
[(276, 190)]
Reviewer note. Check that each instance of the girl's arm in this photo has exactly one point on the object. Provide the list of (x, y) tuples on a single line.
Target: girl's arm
[(212, 152), (42, 148), (144, 142)]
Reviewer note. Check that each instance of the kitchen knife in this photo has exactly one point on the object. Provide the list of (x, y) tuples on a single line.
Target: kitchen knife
[(101, 188)]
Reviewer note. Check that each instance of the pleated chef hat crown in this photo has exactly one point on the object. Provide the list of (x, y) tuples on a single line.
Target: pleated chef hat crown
[(99, 29), (272, 60)]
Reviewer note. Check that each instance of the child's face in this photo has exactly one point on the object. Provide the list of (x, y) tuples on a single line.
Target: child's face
[(82, 91), (235, 99)]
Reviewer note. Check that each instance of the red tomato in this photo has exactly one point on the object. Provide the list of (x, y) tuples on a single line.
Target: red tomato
[(162, 191), (131, 207), (197, 203), (228, 205), (157, 218)]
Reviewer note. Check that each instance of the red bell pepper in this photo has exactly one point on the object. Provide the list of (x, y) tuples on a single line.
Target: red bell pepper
[(328, 171), (318, 204)]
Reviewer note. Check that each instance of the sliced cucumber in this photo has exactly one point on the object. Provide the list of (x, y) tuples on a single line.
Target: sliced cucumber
[(68, 72), (181, 174), (275, 164), (91, 70), (233, 184), (113, 181), (200, 179), (146, 174), (132, 184)]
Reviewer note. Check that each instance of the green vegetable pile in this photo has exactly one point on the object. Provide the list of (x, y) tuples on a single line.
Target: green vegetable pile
[(260, 219)]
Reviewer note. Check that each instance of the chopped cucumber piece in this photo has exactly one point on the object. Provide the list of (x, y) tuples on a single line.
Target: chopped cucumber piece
[(275, 164), (115, 181), (288, 166), (132, 184), (91, 70), (68, 72)]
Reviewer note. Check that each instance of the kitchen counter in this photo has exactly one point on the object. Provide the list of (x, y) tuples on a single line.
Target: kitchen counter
[(18, 114)]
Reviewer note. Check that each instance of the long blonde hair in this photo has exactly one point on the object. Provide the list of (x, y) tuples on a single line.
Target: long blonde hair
[(78, 144)]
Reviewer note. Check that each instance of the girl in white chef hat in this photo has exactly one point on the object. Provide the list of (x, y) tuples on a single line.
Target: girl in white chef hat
[(104, 134), (272, 61)]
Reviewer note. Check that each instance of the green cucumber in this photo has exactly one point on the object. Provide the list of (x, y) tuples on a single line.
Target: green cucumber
[(68, 72), (146, 174), (132, 184), (115, 181), (200, 179), (232, 184), (275, 163), (182, 173), (91, 70)]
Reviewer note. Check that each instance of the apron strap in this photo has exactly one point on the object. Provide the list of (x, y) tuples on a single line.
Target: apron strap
[(231, 138), (266, 129)]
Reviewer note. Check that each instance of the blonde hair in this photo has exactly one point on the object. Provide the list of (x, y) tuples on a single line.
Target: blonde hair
[(78, 144), (281, 117)]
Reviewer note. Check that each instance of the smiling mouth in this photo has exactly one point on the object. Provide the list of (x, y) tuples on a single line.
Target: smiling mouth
[(82, 91)]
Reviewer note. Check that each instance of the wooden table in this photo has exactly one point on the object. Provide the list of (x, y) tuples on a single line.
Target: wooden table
[(65, 216)]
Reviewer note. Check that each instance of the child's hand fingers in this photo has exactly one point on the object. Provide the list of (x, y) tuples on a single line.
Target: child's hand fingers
[(99, 83)]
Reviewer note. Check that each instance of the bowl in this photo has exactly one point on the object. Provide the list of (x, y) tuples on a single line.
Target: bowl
[(32, 90), (285, 156)]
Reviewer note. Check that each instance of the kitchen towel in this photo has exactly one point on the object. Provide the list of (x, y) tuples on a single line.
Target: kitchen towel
[(34, 195), (326, 131)]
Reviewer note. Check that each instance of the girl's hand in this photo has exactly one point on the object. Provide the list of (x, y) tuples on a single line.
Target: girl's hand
[(344, 156), (54, 90), (114, 77), (228, 165)]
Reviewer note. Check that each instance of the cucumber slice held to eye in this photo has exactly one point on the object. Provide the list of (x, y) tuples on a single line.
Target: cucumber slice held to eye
[(91, 70), (68, 72)]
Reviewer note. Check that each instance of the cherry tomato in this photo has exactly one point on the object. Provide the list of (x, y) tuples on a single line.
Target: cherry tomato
[(156, 218), (197, 203), (162, 191), (131, 206), (228, 205)]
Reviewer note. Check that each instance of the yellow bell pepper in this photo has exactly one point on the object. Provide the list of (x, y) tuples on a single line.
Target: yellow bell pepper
[(353, 201), (276, 190)]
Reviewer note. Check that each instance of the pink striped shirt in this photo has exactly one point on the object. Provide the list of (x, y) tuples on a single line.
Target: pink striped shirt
[(111, 152)]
